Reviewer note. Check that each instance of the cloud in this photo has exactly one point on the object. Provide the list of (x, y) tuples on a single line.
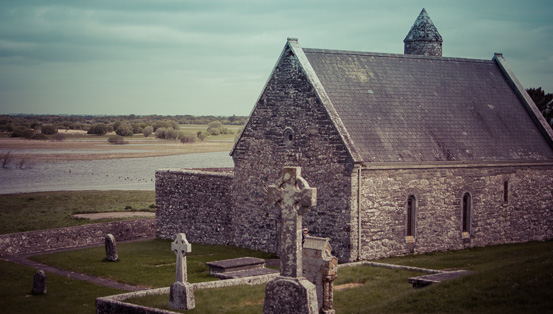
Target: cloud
[(213, 57)]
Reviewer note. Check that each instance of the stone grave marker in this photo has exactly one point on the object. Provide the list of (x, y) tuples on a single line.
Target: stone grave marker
[(39, 283), (111, 248), (321, 268), (290, 292), (181, 294)]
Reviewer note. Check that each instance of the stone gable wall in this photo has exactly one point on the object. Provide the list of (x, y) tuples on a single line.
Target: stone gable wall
[(528, 214), (290, 127), (195, 202)]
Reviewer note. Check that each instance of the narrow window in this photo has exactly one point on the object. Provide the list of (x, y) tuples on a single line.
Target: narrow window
[(467, 208), (506, 192), (411, 212)]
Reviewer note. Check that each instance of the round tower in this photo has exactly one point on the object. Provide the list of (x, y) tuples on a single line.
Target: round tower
[(423, 38)]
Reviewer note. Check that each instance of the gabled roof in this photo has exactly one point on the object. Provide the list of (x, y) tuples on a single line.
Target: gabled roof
[(406, 108), (412, 108)]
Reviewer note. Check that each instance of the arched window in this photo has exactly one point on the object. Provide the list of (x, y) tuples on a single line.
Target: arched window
[(411, 214), (467, 211)]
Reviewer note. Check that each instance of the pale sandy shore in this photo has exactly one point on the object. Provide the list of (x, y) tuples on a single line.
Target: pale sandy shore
[(98, 149)]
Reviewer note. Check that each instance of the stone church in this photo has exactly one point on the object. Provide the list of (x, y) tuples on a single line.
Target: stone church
[(410, 153)]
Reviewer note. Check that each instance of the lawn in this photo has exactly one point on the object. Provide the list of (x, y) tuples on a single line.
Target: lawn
[(146, 263), (35, 211), (515, 278), (63, 295)]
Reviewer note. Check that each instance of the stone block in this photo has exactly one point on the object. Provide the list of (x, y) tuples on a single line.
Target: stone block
[(286, 295), (181, 296)]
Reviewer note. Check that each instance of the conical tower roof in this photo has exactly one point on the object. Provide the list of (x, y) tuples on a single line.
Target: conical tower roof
[(423, 38), (423, 29)]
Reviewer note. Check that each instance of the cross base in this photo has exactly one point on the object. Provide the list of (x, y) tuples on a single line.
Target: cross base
[(290, 295), (181, 296)]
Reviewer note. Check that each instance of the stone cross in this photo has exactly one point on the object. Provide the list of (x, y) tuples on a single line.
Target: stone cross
[(294, 196), (111, 248), (181, 293), (181, 246)]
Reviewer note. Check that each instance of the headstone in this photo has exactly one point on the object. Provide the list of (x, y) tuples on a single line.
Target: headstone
[(181, 294), (321, 268), (290, 292), (111, 248), (39, 283)]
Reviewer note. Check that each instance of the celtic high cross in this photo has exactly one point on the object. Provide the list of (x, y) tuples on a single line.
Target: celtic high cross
[(294, 196), (181, 246)]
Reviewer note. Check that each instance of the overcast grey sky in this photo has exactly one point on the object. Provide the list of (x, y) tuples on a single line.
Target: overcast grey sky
[(173, 57)]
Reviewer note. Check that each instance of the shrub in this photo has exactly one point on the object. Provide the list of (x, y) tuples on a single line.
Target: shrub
[(147, 131), (124, 129), (188, 138), (49, 129), (39, 136), (203, 135), (167, 133), (23, 132), (98, 129), (214, 128), (117, 139), (58, 137)]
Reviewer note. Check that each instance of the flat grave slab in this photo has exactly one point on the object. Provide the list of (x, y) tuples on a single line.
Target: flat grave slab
[(235, 264), (426, 280)]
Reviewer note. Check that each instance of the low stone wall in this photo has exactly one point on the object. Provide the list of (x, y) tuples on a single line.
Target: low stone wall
[(116, 303), (71, 237), (196, 202)]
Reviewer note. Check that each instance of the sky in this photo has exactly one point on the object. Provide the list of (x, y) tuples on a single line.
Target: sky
[(170, 57)]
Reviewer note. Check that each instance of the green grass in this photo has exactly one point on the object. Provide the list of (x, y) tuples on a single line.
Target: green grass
[(507, 279), (64, 295), (35, 211), (146, 263)]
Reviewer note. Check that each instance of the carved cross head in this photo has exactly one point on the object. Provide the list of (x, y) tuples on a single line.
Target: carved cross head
[(292, 191), (181, 246)]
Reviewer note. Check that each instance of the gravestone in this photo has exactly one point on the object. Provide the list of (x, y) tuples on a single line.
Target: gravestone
[(111, 248), (39, 283), (321, 268), (290, 292), (181, 294)]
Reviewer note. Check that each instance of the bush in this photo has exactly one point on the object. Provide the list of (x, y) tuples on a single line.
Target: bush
[(117, 139), (39, 136), (214, 128), (98, 129), (23, 132), (58, 137), (147, 131), (203, 135), (124, 129), (49, 129), (188, 138), (167, 133)]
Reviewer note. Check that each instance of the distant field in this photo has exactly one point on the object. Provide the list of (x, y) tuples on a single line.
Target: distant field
[(138, 146)]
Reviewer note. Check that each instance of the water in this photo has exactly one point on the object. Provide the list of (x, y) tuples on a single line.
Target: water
[(112, 174)]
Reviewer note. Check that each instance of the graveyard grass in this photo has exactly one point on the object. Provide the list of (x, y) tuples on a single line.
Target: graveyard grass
[(507, 279), (45, 210)]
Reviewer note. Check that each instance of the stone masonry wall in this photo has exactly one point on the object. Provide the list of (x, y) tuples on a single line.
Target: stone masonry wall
[(195, 202), (290, 127), (71, 237), (526, 216)]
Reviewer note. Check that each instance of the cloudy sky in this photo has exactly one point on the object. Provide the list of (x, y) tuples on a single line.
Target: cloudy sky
[(207, 57)]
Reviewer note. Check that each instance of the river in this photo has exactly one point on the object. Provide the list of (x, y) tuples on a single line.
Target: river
[(112, 174)]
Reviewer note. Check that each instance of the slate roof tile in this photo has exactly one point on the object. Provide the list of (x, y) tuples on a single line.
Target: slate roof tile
[(417, 108)]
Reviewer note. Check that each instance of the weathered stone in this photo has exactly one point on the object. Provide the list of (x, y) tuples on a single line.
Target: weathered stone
[(291, 293), (39, 283), (320, 268), (286, 295), (182, 293), (181, 296), (111, 248)]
